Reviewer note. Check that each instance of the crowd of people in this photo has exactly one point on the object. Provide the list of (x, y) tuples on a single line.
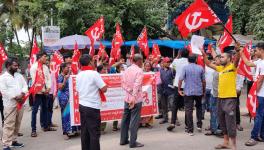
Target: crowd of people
[(182, 84)]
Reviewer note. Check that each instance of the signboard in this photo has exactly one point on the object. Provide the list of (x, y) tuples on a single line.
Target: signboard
[(112, 109), (50, 35)]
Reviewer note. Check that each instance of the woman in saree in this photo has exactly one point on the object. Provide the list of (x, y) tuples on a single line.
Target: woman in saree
[(63, 97)]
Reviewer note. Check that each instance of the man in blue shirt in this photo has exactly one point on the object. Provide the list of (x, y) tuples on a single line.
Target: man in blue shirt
[(194, 77), (167, 75)]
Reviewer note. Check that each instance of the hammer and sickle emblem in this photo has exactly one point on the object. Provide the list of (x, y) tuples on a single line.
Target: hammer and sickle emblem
[(95, 33), (194, 24)]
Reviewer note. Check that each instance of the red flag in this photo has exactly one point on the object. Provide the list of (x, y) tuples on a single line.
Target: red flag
[(37, 85), (132, 52), (117, 43), (155, 51), (243, 69), (3, 56), (95, 33), (143, 42), (209, 48), (200, 61), (102, 53), (189, 48), (34, 52), (226, 39), (252, 101), (199, 15), (75, 59), (55, 62)]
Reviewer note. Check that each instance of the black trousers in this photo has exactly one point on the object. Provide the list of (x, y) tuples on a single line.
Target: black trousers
[(189, 103), (238, 119), (130, 120), (2, 109), (90, 128), (175, 107)]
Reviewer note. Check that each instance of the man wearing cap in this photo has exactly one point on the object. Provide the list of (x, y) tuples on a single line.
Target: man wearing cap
[(194, 77), (167, 75)]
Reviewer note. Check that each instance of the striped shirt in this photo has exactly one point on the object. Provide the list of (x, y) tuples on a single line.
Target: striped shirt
[(193, 75)]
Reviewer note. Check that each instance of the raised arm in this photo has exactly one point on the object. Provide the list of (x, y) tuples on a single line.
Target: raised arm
[(246, 61), (207, 62), (213, 53), (237, 56)]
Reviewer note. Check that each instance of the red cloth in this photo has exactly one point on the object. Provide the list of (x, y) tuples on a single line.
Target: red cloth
[(252, 101), (117, 43), (101, 93), (95, 33), (75, 59), (197, 16), (226, 39), (155, 51), (34, 52), (143, 42), (243, 69), (132, 52), (102, 53), (37, 86), (3, 56)]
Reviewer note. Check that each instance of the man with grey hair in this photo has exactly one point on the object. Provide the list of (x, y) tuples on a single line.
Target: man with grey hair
[(132, 79)]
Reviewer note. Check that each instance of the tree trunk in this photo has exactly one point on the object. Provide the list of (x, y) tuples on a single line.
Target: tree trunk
[(32, 40), (15, 31), (28, 35)]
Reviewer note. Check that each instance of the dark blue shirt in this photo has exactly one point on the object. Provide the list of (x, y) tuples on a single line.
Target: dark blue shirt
[(167, 77)]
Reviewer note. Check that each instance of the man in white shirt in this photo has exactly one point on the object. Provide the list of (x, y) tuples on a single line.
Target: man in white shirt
[(13, 88), (209, 79), (89, 84), (178, 64), (257, 133), (41, 97)]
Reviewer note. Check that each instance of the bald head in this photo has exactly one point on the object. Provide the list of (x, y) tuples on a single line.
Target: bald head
[(138, 60)]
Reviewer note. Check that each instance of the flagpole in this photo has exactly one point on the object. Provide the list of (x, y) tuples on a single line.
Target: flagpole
[(229, 32)]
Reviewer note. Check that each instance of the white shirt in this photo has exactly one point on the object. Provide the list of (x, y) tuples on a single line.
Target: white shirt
[(239, 82), (88, 84), (12, 86), (47, 75), (255, 75), (209, 77), (260, 71), (178, 65)]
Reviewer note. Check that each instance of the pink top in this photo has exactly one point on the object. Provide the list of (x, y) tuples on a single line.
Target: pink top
[(132, 79)]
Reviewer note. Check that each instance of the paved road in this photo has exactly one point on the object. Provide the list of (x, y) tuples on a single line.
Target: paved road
[(154, 139)]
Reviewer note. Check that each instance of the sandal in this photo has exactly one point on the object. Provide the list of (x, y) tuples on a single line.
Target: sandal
[(209, 133), (34, 134), (115, 129), (251, 142), (221, 146)]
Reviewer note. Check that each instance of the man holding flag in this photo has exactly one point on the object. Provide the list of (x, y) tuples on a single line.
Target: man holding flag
[(257, 133), (227, 96), (13, 88), (44, 84)]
